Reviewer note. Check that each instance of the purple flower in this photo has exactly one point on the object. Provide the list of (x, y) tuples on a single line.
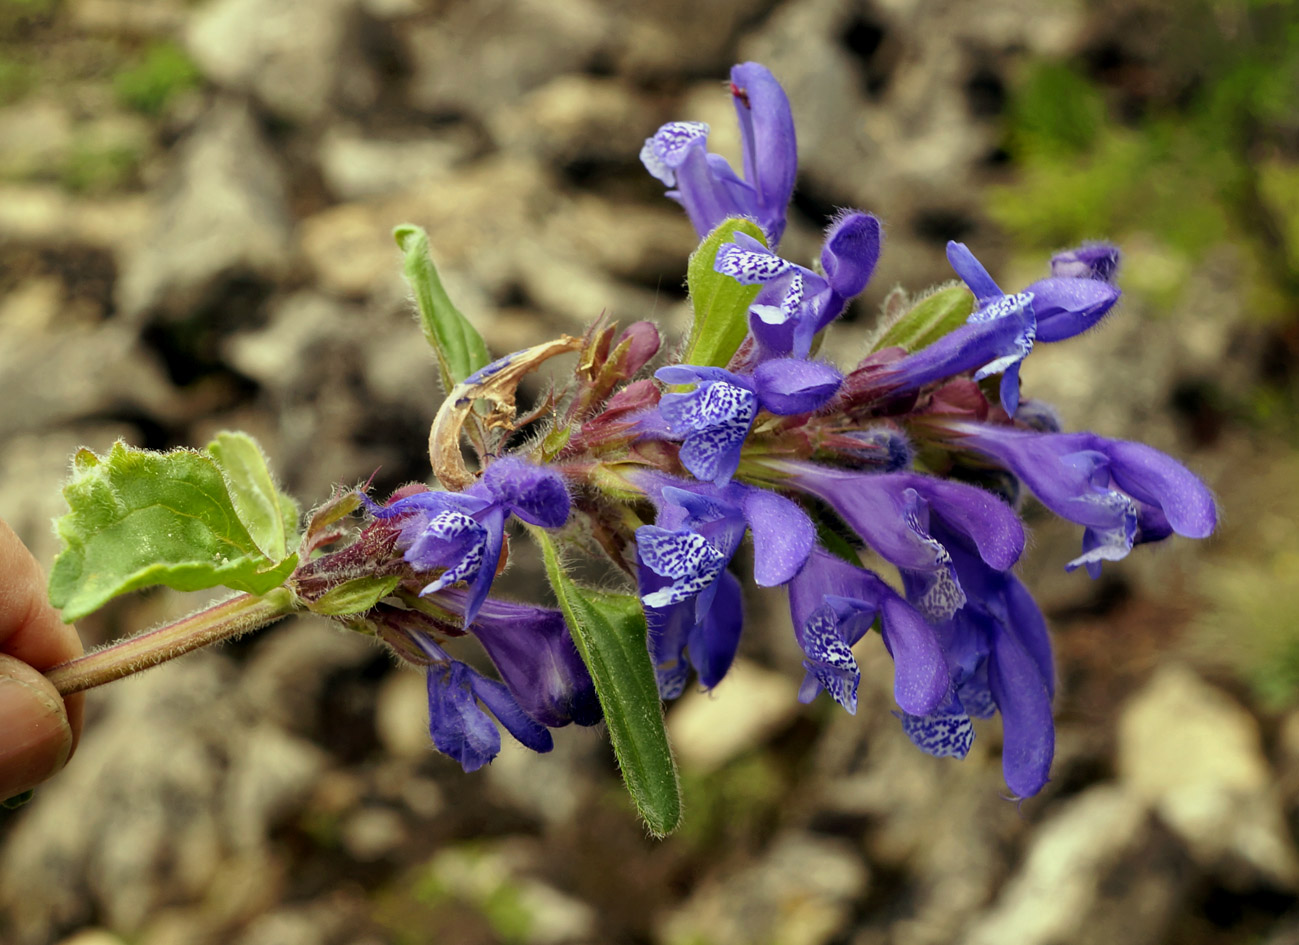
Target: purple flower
[(463, 532), (462, 729), (706, 185), (833, 604), (533, 651), (1088, 261), (896, 514), (1002, 330), (459, 723), (1063, 305), (1124, 493), (796, 303), (999, 659), (716, 416), (691, 601)]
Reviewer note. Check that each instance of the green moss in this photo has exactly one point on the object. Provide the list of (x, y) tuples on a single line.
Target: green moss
[(93, 168), (1056, 112), (1253, 626), (1185, 175), (507, 913), (148, 84), (16, 79), (732, 803)]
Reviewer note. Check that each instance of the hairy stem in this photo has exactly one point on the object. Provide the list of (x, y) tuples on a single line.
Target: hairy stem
[(224, 621)]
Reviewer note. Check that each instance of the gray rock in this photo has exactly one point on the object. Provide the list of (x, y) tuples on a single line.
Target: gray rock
[(171, 799), (476, 219), (284, 677), (1086, 879), (33, 466), (674, 37), (628, 240), (268, 778), (575, 117), (222, 213), (372, 833), (356, 166), (46, 215), (801, 892), (34, 138), (1195, 756), (131, 825), (285, 52), (483, 873), (63, 377), (708, 729), (148, 18), (940, 823), (500, 49)]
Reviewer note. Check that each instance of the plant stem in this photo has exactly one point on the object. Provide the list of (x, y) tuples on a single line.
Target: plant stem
[(224, 621)]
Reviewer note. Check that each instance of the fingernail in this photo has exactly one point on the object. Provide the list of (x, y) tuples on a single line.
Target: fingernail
[(34, 735)]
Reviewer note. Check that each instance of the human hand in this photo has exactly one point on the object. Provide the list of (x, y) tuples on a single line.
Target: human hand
[(38, 729)]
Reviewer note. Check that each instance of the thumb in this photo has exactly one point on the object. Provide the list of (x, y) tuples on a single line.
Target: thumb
[(35, 737)]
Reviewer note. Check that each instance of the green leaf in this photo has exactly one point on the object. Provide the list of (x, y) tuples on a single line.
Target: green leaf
[(270, 516), (933, 316), (459, 348), (355, 596), (609, 630), (721, 304), (140, 518)]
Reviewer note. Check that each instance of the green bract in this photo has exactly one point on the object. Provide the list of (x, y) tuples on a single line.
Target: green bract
[(459, 348), (184, 519), (930, 318), (355, 596), (721, 304), (609, 631), (270, 516)]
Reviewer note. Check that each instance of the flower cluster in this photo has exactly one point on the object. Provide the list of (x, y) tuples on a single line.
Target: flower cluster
[(775, 440)]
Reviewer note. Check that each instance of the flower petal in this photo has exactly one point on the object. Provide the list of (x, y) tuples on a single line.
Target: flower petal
[(537, 659), (527, 731), (713, 455), (920, 679), (1069, 307), (972, 272), (493, 522), (664, 153), (829, 659), (1089, 261), (1025, 620), (788, 386), (783, 535), (451, 540), (684, 557), (851, 251), (534, 493), (769, 144), (1157, 479), (458, 726), (945, 733), (1028, 742), (992, 525), (750, 264), (712, 641)]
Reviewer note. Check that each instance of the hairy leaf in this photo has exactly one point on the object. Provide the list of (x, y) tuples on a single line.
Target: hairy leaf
[(609, 631), (270, 516), (140, 518), (721, 304), (459, 348)]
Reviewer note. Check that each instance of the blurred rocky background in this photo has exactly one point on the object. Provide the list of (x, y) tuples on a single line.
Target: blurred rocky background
[(196, 205)]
